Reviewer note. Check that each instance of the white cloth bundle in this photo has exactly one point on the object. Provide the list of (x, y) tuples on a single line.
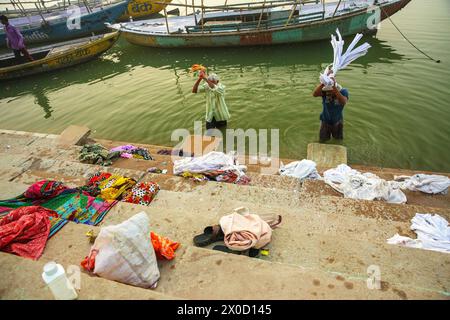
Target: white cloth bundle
[(209, 162), (427, 183), (340, 60), (433, 233), (305, 169), (364, 186)]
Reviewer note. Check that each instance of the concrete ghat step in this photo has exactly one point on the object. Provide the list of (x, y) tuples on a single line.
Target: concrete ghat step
[(24, 146), (42, 145), (319, 188), (309, 237), (38, 143), (207, 274), (21, 280), (77, 172), (40, 148)]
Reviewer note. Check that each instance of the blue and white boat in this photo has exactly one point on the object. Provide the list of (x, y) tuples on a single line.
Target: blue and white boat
[(65, 24)]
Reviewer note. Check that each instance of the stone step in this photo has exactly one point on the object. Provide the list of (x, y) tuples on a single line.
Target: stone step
[(310, 236), (316, 188), (52, 168), (46, 146), (22, 280), (76, 173), (36, 143), (198, 273)]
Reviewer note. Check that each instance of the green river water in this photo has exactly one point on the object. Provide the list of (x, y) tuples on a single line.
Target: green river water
[(398, 114)]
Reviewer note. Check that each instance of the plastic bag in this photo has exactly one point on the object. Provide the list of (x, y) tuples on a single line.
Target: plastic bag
[(124, 253)]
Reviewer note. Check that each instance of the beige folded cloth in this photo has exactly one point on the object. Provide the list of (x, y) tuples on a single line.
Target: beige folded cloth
[(244, 230)]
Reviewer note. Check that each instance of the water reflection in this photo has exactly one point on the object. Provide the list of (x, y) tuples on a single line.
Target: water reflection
[(124, 57), (42, 100), (41, 85), (306, 54)]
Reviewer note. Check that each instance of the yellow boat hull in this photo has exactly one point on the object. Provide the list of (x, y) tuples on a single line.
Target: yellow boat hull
[(143, 8), (62, 56)]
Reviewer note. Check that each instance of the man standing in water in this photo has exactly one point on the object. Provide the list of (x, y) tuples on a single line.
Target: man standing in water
[(334, 98), (217, 113), (14, 40)]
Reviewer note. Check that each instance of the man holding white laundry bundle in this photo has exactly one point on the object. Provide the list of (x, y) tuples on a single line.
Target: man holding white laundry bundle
[(334, 98)]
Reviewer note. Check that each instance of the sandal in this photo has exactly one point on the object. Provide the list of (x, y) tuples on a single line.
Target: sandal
[(252, 252), (210, 235)]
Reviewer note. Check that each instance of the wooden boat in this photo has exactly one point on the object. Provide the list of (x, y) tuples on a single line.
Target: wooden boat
[(138, 9), (260, 23), (56, 26), (57, 56)]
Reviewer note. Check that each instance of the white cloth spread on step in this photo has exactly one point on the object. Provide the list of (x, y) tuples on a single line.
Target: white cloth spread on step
[(213, 161), (425, 182), (305, 169), (433, 233), (364, 186), (340, 60)]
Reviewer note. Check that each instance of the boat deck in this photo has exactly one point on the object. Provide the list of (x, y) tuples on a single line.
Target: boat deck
[(189, 24), (52, 17)]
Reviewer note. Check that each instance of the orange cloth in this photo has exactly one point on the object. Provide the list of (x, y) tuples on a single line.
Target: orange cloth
[(197, 67), (164, 247)]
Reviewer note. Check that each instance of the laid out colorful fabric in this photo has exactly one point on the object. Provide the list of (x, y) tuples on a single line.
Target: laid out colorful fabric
[(79, 207), (35, 194), (114, 187), (70, 204), (24, 231), (97, 154), (142, 193), (194, 176), (164, 247), (94, 181)]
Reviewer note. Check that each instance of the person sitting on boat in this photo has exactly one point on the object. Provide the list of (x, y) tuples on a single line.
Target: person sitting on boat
[(217, 113), (14, 40), (334, 98)]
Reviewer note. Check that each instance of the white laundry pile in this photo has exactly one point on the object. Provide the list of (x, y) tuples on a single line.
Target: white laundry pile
[(341, 60), (427, 183), (364, 186), (304, 169), (214, 164), (433, 233)]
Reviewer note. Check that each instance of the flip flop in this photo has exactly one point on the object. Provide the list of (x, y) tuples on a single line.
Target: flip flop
[(252, 252), (210, 235)]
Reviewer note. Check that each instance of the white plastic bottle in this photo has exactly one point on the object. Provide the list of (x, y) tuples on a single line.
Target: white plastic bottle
[(55, 277)]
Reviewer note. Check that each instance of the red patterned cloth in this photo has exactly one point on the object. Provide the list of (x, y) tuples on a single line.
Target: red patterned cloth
[(24, 231), (142, 193)]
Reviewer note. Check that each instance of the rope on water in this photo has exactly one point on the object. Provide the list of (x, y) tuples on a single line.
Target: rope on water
[(412, 44)]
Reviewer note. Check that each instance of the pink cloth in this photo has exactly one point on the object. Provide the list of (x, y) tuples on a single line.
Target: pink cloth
[(125, 148), (244, 230)]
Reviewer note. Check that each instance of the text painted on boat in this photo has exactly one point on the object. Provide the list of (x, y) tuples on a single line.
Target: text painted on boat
[(77, 54)]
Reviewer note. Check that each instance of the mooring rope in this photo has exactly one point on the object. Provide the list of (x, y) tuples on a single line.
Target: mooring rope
[(404, 36)]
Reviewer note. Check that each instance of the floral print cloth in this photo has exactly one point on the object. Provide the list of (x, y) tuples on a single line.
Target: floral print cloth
[(142, 193)]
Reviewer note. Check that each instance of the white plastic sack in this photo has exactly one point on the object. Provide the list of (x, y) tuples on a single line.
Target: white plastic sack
[(433, 233), (426, 183), (304, 169), (363, 186), (125, 253)]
